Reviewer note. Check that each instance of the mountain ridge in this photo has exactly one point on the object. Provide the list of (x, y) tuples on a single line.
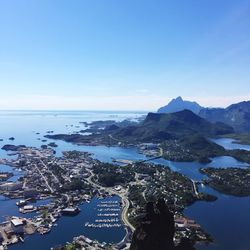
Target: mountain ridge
[(159, 126), (236, 115)]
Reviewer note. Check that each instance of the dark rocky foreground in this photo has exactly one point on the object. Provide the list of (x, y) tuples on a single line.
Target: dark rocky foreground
[(156, 230)]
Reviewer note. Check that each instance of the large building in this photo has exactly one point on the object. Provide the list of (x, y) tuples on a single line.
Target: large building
[(17, 225), (11, 186)]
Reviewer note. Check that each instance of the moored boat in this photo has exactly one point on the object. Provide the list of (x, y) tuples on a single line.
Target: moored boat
[(70, 211)]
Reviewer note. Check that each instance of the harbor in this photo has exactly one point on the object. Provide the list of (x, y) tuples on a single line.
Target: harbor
[(68, 227)]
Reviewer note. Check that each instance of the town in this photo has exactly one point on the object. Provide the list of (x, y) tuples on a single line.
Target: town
[(76, 177)]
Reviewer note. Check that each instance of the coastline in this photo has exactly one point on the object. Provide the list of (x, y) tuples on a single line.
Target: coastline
[(101, 151)]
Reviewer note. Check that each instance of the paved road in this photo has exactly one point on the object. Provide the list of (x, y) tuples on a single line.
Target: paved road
[(55, 177), (195, 189), (125, 213), (161, 152), (45, 180)]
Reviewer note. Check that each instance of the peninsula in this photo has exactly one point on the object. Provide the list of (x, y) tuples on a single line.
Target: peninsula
[(232, 181)]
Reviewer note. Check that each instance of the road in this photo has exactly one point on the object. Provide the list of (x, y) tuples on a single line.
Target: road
[(45, 180), (111, 137), (195, 189), (57, 180), (125, 213), (161, 152)]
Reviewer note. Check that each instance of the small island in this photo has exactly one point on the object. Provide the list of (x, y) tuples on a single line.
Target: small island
[(10, 147), (52, 144)]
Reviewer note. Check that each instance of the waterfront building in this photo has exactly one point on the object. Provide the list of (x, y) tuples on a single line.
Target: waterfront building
[(11, 186), (17, 225), (71, 211)]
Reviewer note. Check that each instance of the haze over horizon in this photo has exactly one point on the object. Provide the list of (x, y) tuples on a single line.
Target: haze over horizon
[(123, 55)]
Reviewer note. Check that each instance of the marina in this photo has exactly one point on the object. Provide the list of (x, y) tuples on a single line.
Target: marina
[(102, 225), (108, 219), (72, 226)]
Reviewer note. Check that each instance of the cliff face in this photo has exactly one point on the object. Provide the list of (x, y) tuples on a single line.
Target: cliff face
[(156, 230)]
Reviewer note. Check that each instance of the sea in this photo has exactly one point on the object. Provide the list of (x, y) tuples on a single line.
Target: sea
[(227, 219)]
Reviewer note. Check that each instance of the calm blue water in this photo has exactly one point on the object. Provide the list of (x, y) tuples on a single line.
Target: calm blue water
[(191, 169), (227, 143), (24, 125), (9, 208), (227, 219), (17, 174), (69, 227)]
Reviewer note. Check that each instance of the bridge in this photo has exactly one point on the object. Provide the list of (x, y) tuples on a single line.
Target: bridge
[(150, 159)]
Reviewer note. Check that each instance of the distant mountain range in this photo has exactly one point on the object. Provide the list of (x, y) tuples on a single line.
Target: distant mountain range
[(178, 104), (182, 135), (236, 115)]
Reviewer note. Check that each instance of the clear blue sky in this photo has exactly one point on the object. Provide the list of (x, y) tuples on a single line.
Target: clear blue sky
[(123, 54)]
